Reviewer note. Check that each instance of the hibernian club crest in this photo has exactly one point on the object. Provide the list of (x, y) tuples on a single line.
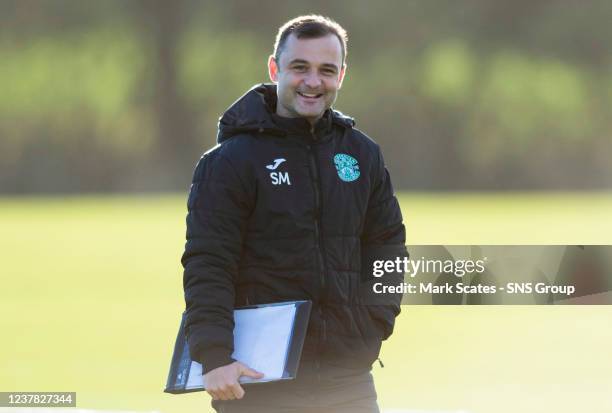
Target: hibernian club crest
[(347, 167)]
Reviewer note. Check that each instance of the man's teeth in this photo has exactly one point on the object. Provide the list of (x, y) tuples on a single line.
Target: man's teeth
[(309, 95)]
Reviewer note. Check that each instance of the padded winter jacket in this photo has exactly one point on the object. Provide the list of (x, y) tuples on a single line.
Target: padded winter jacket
[(280, 210)]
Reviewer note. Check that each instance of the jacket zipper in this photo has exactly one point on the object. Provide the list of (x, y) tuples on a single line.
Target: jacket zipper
[(318, 238)]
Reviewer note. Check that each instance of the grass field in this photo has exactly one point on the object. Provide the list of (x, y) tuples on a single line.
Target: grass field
[(91, 296)]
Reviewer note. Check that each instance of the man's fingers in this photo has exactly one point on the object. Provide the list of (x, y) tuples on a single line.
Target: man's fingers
[(237, 391), (249, 372), (221, 393), (223, 382), (226, 392)]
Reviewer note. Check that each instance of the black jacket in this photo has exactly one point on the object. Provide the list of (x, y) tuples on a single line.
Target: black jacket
[(278, 212)]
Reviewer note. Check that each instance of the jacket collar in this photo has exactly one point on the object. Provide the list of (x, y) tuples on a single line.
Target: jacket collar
[(303, 127)]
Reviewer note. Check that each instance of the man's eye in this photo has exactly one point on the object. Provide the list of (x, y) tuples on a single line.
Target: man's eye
[(299, 68), (329, 72)]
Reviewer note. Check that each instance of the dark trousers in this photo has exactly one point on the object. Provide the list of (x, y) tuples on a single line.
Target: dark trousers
[(324, 390)]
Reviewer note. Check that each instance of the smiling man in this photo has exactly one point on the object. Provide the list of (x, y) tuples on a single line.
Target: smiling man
[(294, 203), (308, 73)]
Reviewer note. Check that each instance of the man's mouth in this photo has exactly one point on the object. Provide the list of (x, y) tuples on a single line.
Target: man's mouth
[(310, 95)]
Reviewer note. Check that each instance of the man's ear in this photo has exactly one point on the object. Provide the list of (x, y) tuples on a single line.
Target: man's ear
[(272, 69), (341, 75)]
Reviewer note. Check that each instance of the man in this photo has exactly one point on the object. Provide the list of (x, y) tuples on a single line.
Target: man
[(293, 203)]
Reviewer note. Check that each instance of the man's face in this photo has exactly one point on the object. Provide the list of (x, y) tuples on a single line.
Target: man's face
[(308, 75)]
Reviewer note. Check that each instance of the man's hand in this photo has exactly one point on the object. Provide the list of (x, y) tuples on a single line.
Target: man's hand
[(222, 382)]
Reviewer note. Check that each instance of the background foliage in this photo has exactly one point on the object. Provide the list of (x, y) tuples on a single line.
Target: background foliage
[(125, 95)]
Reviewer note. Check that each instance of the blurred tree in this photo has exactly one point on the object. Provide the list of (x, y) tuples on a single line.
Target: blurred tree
[(162, 25), (124, 95)]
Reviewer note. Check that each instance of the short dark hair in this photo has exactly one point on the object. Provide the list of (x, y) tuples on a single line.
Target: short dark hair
[(310, 27)]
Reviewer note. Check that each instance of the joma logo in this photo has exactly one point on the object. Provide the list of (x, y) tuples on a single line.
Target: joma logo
[(278, 178)]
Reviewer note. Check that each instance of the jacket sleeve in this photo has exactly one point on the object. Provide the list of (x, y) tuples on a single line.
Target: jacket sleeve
[(383, 238), (218, 210)]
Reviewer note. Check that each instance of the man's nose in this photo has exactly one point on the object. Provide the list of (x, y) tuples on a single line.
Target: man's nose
[(312, 80)]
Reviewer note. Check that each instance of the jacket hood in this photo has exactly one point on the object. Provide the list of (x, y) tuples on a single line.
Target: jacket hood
[(254, 111)]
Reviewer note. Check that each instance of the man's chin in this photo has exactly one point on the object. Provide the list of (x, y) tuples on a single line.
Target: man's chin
[(310, 114)]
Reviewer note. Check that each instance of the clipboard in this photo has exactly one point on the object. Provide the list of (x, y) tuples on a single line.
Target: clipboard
[(185, 374)]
